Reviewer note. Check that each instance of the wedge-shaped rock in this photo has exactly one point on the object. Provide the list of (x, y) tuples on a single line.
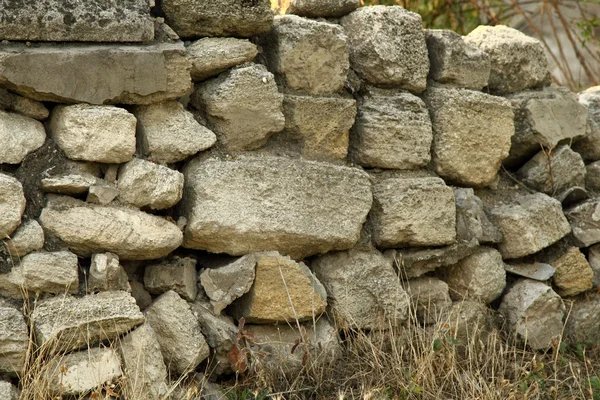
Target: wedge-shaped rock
[(471, 134), (387, 47), (106, 273), (218, 18), (363, 289), (87, 228), (56, 272), (454, 62), (167, 133), (75, 21), (584, 219), (573, 273), (177, 330), (307, 55), (12, 205), (529, 224), (392, 130), (69, 323), (429, 298), (20, 136), (98, 74), (296, 207), (536, 271), (211, 56), (176, 273), (544, 117), (413, 212), (27, 238), (243, 106), (517, 61), (72, 184), (322, 8), (534, 313), (283, 291), (13, 338), (22, 105), (581, 325)]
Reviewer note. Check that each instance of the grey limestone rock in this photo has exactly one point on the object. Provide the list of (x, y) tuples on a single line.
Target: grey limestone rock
[(581, 325), (14, 339), (53, 272), (12, 102), (592, 176), (537, 271), (9, 391), (429, 298), (27, 238), (584, 219), (322, 8), (12, 205), (211, 56), (20, 136), (175, 273), (106, 273)]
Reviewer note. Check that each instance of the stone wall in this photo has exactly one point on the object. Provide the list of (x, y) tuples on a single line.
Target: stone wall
[(172, 184)]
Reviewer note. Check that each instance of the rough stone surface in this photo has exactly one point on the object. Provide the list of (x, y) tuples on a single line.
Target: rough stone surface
[(322, 8), (262, 203), (167, 133), (363, 289), (69, 323), (22, 105), (529, 223), (536, 271), (392, 130), (145, 184), (454, 62), (12, 205), (211, 56), (77, 21), (413, 212), (387, 47), (592, 176), (20, 135), (517, 61), (283, 291), (469, 323), (228, 282), (573, 273), (589, 145), (102, 193), (584, 219), (534, 313), (73, 184), (544, 117), (429, 297), (581, 325), (318, 126), (471, 220), (594, 261), (94, 133), (192, 19), (591, 98), (554, 171), (480, 276), (307, 55), (55, 272), (98, 74), (27, 238), (243, 106), (142, 297), (107, 274), (8, 391), (82, 371), (177, 330), (176, 273), (131, 234), (469, 122), (143, 363), (14, 339)]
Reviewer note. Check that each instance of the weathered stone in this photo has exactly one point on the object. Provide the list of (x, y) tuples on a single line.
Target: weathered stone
[(145, 184), (363, 289), (143, 363), (228, 282), (454, 62), (87, 228), (142, 297), (588, 146), (529, 224), (573, 273), (471, 220), (517, 61), (592, 176), (544, 118), (176, 273), (8, 391), (192, 19), (55, 272), (77, 21), (594, 261), (480, 276), (68, 184), (243, 106), (536, 271), (168, 133), (554, 171), (69, 323), (262, 203), (98, 74), (413, 212), (534, 313), (581, 325), (27, 238), (20, 136), (468, 322), (585, 222), (429, 297), (392, 130), (107, 274), (94, 133), (14, 339), (591, 98), (283, 291), (307, 55), (82, 371), (387, 47), (12, 205), (22, 105), (318, 126), (211, 56), (473, 123), (102, 193), (322, 8), (12, 284), (181, 342)]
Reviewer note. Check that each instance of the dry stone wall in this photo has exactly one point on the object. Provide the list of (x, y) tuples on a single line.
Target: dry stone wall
[(166, 183)]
